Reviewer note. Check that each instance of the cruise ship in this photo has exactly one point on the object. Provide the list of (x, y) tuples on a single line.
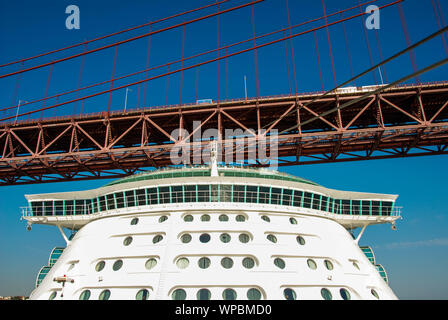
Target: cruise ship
[(212, 233)]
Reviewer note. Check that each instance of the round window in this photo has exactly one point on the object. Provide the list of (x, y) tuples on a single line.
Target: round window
[(326, 294), (204, 263), (292, 221), (229, 294), (248, 263), (223, 217), (182, 263), (345, 294), (300, 240), (188, 218), (266, 218), (203, 294), (157, 239), (244, 238), (289, 294), (151, 263), (328, 264), (204, 238), (127, 241), (117, 265), (85, 295), (52, 295), (253, 294), (179, 294), (240, 218), (205, 218), (227, 263), (272, 238), (100, 266), (142, 295), (134, 221), (186, 238), (375, 294), (312, 264), (163, 218), (225, 238), (279, 263), (104, 295)]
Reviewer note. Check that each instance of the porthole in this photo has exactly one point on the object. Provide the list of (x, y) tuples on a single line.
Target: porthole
[(157, 239), (225, 237), (52, 295), (188, 218), (182, 263), (266, 218), (289, 294), (204, 263), (279, 263), (100, 266), (142, 295), (345, 294), (244, 238), (162, 219), (85, 295), (272, 238), (117, 265), (179, 294), (326, 294), (328, 264), (312, 264), (292, 221), (134, 221), (150, 263), (355, 264), (205, 218), (240, 218), (127, 241), (300, 240), (227, 263), (186, 238), (253, 294), (204, 238), (104, 295), (248, 263), (223, 217), (203, 294), (229, 294), (375, 294)]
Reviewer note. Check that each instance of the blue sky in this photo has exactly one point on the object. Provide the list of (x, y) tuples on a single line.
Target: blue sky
[(414, 256)]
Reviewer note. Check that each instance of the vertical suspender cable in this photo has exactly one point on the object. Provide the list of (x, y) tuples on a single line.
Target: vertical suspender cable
[(182, 65), (292, 47), (257, 76), (217, 53), (112, 82), (81, 71), (347, 47), (366, 36), (408, 41), (46, 89), (439, 24), (16, 88), (380, 51), (287, 64), (145, 89), (318, 61), (329, 45)]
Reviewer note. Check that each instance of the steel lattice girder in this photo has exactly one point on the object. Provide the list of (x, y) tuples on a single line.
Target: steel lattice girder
[(399, 122)]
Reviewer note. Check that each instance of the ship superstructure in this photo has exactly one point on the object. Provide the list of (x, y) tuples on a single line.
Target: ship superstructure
[(212, 233)]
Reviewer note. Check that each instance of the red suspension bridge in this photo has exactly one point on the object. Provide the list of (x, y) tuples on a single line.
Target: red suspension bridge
[(55, 137)]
